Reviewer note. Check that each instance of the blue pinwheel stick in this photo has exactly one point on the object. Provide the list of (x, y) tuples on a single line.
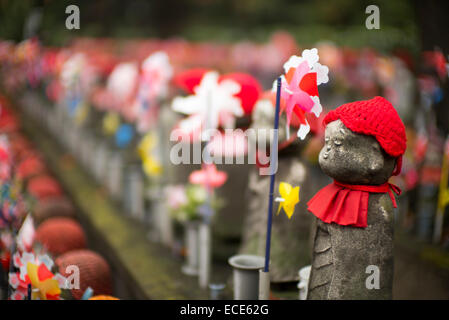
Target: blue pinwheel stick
[(273, 166)]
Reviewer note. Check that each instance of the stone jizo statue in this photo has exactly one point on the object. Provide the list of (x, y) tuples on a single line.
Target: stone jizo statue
[(353, 238)]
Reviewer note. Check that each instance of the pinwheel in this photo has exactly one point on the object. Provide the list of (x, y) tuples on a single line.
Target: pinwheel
[(213, 104), (208, 177), (26, 234), (152, 87), (35, 270), (151, 166), (288, 199), (155, 76), (250, 89), (216, 100), (124, 135), (71, 70), (299, 89), (42, 279), (77, 77), (122, 86), (111, 122)]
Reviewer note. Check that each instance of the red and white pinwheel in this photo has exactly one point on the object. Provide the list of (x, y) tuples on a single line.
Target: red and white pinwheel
[(156, 73), (216, 100), (121, 86), (299, 90), (212, 105), (208, 177)]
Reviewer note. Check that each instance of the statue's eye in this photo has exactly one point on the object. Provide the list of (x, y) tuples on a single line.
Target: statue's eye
[(337, 142), (326, 139)]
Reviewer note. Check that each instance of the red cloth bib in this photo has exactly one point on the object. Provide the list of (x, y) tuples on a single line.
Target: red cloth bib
[(347, 204)]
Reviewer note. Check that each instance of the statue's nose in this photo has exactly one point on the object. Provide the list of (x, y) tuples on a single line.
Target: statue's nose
[(328, 148)]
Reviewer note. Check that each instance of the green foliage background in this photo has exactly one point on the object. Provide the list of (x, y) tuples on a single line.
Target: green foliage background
[(342, 21)]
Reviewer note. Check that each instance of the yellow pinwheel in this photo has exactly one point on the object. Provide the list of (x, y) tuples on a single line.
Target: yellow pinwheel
[(47, 287), (288, 199), (151, 166), (111, 122), (147, 144)]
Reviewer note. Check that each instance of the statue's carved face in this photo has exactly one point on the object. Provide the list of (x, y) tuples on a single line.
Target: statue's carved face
[(354, 158)]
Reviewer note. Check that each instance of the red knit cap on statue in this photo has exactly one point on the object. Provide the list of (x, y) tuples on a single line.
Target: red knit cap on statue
[(60, 234), (94, 271), (376, 117)]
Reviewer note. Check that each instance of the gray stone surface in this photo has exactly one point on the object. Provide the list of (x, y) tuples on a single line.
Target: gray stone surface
[(341, 254)]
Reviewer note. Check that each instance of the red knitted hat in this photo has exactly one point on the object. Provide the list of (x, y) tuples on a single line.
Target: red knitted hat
[(60, 234), (376, 117), (44, 186), (94, 271), (30, 167)]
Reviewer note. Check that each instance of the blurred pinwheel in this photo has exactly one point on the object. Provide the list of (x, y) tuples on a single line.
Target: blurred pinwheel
[(111, 122), (124, 135), (155, 76), (151, 165), (156, 73), (77, 78), (213, 104), (208, 177), (216, 101), (42, 279), (122, 86), (35, 270)]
